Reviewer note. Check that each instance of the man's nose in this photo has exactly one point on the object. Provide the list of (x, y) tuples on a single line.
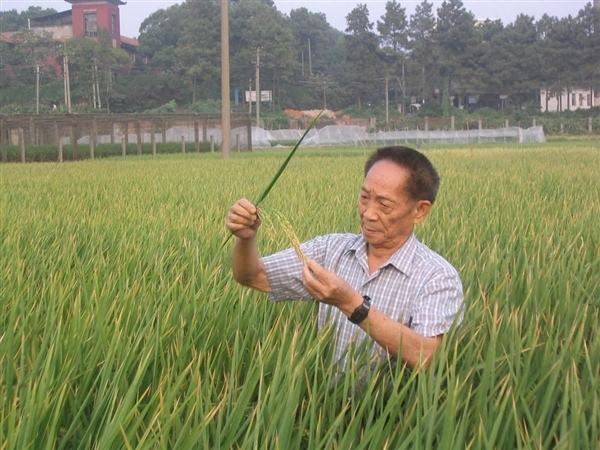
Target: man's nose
[(370, 212)]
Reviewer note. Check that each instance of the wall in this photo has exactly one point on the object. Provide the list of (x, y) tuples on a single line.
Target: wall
[(104, 12), (569, 101)]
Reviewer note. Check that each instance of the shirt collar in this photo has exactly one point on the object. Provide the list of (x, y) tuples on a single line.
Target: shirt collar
[(401, 259)]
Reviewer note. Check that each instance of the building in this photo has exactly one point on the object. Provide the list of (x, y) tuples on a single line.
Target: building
[(576, 98), (86, 18)]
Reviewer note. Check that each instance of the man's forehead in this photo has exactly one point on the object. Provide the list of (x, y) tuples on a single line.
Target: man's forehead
[(382, 190)]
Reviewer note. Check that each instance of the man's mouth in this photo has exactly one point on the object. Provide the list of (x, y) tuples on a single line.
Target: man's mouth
[(368, 230)]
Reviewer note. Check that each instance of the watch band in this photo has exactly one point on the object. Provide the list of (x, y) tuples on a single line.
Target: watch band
[(362, 311)]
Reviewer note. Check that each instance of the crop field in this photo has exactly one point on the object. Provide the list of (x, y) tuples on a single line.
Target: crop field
[(121, 327)]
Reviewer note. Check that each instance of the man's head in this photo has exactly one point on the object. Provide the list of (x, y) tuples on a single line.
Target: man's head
[(399, 188), (423, 181)]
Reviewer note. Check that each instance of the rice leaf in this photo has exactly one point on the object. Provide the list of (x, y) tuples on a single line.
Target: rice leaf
[(262, 196), (285, 163)]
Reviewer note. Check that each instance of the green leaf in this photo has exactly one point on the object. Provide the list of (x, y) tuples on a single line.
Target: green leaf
[(262, 196)]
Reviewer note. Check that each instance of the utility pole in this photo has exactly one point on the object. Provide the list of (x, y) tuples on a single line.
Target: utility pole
[(250, 97), (37, 89), (309, 59), (387, 101), (258, 87), (225, 105), (403, 91), (67, 81)]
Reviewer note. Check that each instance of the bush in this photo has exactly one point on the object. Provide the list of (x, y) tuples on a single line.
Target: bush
[(49, 153), (487, 114), (430, 109), (167, 108), (206, 107)]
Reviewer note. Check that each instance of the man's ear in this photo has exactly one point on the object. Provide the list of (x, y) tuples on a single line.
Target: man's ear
[(422, 208)]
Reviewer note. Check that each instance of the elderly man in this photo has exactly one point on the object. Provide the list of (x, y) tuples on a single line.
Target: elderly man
[(382, 284)]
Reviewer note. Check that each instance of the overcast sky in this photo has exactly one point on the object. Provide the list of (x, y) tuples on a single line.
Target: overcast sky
[(135, 11)]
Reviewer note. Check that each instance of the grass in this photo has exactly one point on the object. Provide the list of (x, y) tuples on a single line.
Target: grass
[(120, 325)]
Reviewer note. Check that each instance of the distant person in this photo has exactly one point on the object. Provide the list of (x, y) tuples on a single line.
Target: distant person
[(382, 283)]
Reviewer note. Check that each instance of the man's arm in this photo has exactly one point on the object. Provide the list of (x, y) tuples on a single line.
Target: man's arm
[(397, 339), (247, 267)]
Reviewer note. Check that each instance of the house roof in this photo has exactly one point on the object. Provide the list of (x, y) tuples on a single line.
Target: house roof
[(6, 36), (129, 41), (52, 17), (116, 2)]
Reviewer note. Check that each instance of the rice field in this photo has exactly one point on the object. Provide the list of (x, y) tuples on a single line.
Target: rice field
[(121, 327)]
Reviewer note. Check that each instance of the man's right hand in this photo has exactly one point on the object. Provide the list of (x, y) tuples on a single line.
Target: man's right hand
[(243, 220)]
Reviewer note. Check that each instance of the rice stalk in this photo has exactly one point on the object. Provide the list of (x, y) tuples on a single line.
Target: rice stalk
[(275, 220), (269, 186)]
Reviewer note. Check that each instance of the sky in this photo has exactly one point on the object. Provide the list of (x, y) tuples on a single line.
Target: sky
[(135, 11)]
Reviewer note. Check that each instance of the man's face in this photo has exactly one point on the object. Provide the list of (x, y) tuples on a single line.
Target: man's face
[(387, 214)]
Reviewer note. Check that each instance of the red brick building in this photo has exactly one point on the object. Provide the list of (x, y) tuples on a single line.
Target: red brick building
[(90, 16), (86, 18)]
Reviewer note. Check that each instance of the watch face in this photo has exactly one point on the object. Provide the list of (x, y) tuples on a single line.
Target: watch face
[(361, 312)]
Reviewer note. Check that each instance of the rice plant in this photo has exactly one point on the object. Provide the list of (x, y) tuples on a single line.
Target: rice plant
[(121, 327)]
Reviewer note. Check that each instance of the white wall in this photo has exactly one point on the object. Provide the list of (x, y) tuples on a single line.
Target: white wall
[(575, 99)]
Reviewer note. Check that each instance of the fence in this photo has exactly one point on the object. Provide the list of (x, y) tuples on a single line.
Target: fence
[(94, 129)]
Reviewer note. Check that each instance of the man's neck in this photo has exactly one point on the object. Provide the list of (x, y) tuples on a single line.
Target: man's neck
[(378, 256)]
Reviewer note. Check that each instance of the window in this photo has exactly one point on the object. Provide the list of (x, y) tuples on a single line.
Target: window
[(580, 99), (90, 24), (589, 99), (113, 24), (574, 99)]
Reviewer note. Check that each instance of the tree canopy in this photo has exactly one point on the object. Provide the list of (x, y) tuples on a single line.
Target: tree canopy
[(434, 55)]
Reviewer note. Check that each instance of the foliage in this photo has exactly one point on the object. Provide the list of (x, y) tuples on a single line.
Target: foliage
[(487, 114), (92, 65), (49, 153), (362, 54), (308, 65), (430, 109), (275, 120), (32, 51), (151, 90), (206, 106), (12, 20), (170, 107), (122, 326)]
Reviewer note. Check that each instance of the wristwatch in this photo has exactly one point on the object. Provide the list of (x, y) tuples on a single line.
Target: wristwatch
[(362, 311)]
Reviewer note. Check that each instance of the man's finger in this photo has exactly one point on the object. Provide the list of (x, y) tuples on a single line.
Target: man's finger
[(314, 270)]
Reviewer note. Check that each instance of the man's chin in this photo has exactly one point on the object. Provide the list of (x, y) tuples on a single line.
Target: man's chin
[(370, 238)]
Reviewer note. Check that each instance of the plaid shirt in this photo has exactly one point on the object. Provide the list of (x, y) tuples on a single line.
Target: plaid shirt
[(416, 287)]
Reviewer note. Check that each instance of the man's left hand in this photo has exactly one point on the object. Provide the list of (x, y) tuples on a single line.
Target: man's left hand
[(330, 288)]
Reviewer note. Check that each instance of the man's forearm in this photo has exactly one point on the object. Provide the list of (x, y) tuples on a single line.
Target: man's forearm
[(247, 267), (400, 341)]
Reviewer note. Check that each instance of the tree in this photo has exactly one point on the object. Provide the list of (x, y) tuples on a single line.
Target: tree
[(393, 28), (30, 51), (91, 65), (393, 35), (319, 60), (12, 20), (362, 47), (485, 80), (514, 61), (160, 34), (588, 42), (313, 28), (198, 50), (455, 38), (561, 56), (422, 48), (257, 26)]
